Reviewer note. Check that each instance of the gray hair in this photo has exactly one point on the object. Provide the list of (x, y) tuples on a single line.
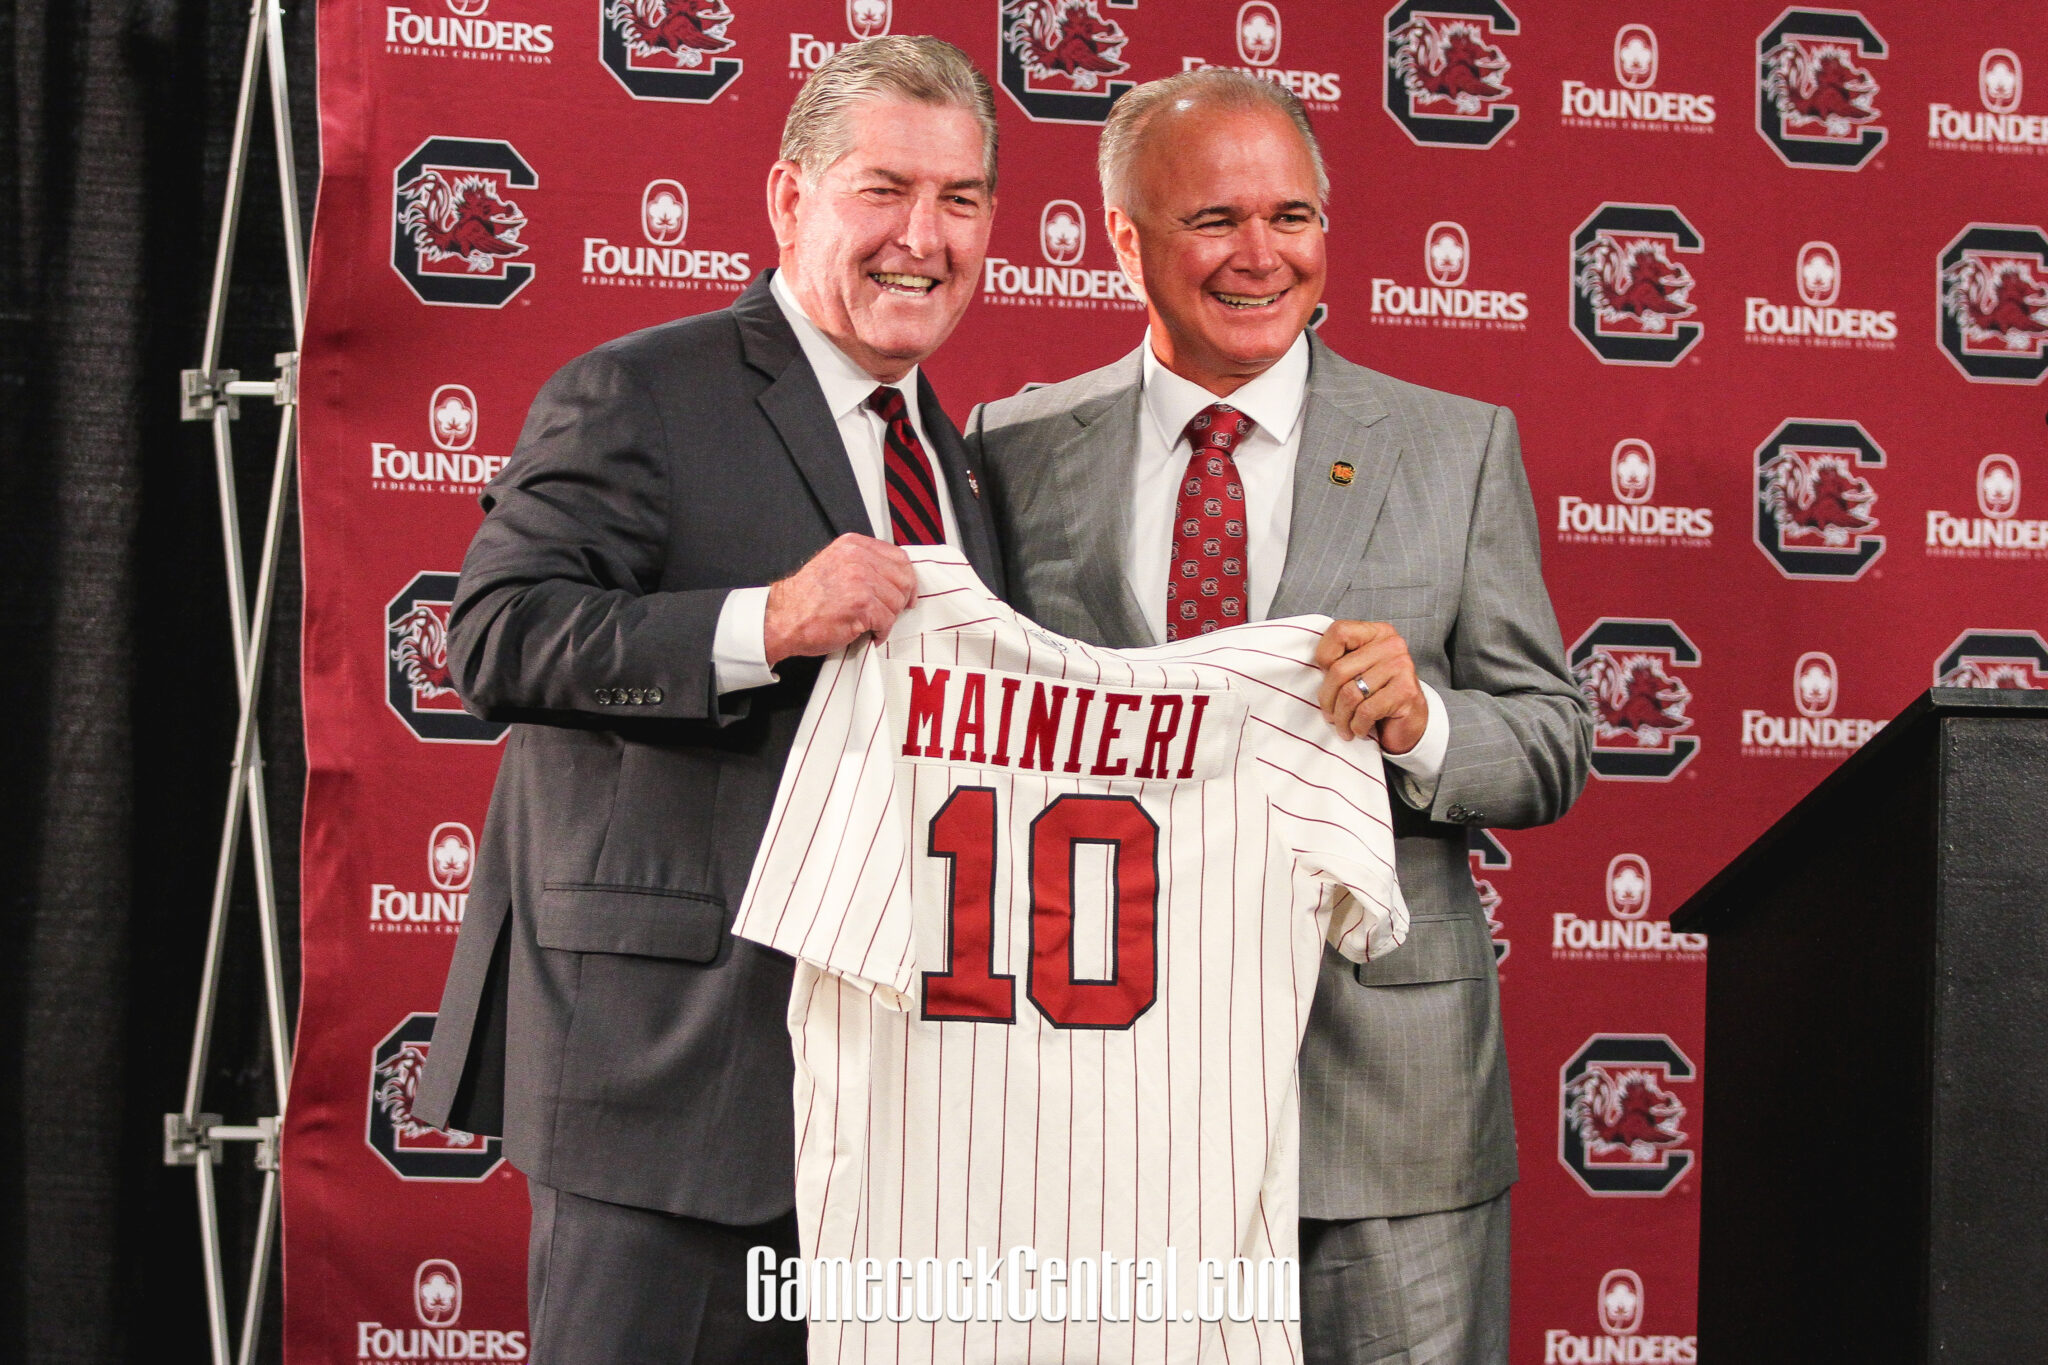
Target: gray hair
[(921, 69), (1214, 87)]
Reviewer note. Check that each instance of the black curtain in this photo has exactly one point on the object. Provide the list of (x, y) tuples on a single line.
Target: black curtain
[(117, 685)]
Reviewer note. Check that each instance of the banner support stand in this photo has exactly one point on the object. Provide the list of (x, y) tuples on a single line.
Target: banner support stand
[(213, 395)]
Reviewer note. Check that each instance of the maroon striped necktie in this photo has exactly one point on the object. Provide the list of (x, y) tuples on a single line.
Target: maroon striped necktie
[(913, 493)]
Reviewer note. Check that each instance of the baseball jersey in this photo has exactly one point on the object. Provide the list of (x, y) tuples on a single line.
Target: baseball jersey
[(1058, 913)]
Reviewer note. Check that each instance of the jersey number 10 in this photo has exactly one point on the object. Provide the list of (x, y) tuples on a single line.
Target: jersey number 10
[(970, 990)]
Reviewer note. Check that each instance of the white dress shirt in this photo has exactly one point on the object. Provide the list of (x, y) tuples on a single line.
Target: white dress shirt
[(1265, 465), (739, 652)]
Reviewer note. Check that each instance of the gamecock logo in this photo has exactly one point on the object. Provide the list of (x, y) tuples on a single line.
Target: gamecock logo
[(403, 1141), (1820, 274), (1626, 670), (1620, 1303), (1258, 33), (1628, 886), (1635, 56), (1446, 77), (1998, 80), (1813, 504), (1062, 231), (1815, 683), (1057, 58), (418, 688), (1998, 486), (868, 18), (1632, 469), (2015, 659), (1631, 296), (451, 856), (668, 49), (1446, 254), (1486, 853), (455, 230), (1815, 95), (451, 415), (1993, 286), (1619, 1132), (437, 1293)]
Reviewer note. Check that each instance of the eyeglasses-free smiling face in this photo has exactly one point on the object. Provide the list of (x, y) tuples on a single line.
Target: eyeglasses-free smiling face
[(1224, 238), (884, 251)]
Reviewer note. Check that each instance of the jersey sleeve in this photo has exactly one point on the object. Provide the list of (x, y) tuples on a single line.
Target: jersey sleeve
[(830, 884), (1329, 803)]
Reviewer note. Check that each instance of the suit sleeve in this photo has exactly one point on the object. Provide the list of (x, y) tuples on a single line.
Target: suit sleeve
[(557, 610), (1521, 736)]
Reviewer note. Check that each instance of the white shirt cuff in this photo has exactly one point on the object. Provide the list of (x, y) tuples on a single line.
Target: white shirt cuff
[(1422, 767), (739, 649)]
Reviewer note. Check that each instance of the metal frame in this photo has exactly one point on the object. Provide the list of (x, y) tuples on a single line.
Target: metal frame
[(211, 394)]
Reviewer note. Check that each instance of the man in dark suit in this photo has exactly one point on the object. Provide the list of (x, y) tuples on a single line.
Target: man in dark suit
[(692, 514), (1349, 493)]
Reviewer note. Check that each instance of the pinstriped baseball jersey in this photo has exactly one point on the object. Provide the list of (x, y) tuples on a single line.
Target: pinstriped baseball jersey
[(1057, 913)]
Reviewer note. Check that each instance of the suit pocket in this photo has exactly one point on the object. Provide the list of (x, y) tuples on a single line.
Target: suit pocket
[(1387, 602), (1439, 948), (640, 921)]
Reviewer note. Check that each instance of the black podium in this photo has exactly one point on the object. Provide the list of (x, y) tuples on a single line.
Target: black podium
[(1875, 1186)]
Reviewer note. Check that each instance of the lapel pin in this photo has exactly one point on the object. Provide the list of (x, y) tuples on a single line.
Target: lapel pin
[(974, 485), (1341, 474)]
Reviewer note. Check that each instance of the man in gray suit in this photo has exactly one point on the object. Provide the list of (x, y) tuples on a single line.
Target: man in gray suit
[(1406, 513), (692, 512)]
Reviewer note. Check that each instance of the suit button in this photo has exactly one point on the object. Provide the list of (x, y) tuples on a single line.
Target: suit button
[(1457, 813), (634, 696), (654, 696), (603, 695)]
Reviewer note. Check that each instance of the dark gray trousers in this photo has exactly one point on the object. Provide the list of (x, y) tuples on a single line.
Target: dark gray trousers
[(1426, 1290), (608, 1284)]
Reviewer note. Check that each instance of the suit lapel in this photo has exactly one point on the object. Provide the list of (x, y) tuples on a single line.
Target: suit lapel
[(795, 405), (1094, 469), (1332, 521), (963, 485)]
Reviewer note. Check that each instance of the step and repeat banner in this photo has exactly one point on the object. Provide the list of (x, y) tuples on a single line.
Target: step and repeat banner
[(1767, 288)]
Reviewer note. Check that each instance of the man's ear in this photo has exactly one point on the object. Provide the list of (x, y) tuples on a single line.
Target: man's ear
[(785, 190), (1123, 239)]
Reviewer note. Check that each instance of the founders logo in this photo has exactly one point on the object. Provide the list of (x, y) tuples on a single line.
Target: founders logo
[(1485, 852), (864, 19), (1994, 658), (1058, 58), (1445, 301), (1635, 106), (1992, 284), (1815, 731), (1063, 281), (1257, 34), (1631, 296), (1446, 75), (455, 229), (1626, 935), (1813, 503), (1626, 668), (465, 32), (447, 462), (1632, 519), (660, 261), (1815, 99), (1816, 320), (417, 686), (437, 1303), (1618, 1308), (1999, 126), (1998, 532), (403, 1141), (668, 49), (1619, 1134), (437, 908)]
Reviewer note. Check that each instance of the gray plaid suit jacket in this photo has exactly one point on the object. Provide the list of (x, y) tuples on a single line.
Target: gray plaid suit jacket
[(1405, 1105)]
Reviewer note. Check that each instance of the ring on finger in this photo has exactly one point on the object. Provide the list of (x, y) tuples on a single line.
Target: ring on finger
[(1364, 687)]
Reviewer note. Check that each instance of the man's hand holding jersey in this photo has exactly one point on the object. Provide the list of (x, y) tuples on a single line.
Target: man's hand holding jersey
[(1391, 704)]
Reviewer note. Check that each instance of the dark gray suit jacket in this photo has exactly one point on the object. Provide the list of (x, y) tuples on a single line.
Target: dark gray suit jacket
[(1405, 1105), (598, 1012)]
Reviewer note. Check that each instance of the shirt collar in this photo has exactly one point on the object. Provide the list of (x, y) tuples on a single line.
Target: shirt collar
[(1273, 400), (846, 385)]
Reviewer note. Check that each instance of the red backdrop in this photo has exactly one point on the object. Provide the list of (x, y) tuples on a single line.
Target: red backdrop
[(1768, 290)]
